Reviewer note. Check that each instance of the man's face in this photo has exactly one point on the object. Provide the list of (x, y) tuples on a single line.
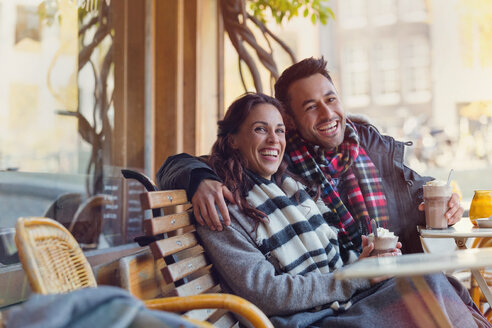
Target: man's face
[(318, 113)]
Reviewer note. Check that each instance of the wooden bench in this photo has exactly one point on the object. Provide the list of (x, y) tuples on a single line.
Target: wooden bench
[(182, 261)]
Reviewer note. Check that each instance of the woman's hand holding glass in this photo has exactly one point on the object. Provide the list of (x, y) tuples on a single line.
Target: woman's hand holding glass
[(367, 248)]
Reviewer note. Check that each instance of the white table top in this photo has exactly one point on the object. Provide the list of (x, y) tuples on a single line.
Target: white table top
[(457, 231), (417, 264)]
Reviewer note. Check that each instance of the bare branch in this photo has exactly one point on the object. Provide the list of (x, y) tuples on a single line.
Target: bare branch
[(267, 31), (235, 20), (87, 26), (86, 52), (239, 61), (96, 93)]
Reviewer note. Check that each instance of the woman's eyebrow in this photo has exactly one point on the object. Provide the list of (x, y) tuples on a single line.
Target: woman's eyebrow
[(265, 123)]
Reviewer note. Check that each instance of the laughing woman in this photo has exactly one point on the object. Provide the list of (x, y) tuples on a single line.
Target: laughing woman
[(281, 248)]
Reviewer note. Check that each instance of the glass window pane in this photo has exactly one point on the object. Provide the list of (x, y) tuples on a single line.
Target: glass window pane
[(430, 80), (57, 117), (355, 75)]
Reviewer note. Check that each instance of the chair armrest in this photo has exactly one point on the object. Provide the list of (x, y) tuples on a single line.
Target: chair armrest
[(233, 303), (148, 184), (140, 177)]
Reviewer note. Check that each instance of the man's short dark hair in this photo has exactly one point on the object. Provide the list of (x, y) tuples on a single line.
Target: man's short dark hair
[(300, 70)]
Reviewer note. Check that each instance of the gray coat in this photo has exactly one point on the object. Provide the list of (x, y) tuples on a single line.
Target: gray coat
[(247, 272), (298, 301)]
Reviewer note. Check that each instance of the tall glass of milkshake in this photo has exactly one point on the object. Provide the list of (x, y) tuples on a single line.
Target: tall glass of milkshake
[(436, 198)]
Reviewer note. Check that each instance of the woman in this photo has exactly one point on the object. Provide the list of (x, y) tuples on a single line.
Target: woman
[(282, 246)]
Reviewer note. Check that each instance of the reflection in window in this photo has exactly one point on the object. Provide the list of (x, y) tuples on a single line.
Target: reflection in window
[(27, 25), (43, 80), (386, 72), (417, 70), (56, 122), (355, 75)]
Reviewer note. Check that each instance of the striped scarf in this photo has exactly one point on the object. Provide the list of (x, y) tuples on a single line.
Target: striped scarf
[(298, 232), (346, 171)]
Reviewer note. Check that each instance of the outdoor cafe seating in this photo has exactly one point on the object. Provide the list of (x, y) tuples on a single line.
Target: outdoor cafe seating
[(54, 263)]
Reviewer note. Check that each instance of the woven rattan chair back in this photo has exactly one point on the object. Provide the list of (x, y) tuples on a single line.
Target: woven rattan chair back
[(51, 257)]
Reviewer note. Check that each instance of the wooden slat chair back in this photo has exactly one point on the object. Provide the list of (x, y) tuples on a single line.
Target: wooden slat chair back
[(186, 268)]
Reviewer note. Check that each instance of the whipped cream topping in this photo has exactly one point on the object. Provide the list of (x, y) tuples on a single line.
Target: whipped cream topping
[(383, 233)]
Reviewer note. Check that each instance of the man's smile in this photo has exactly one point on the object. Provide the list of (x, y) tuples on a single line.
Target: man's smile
[(328, 128)]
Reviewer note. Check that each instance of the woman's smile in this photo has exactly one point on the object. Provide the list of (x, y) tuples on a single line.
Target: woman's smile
[(261, 140)]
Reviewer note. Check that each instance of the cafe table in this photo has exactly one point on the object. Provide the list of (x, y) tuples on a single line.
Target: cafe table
[(461, 233), (411, 268)]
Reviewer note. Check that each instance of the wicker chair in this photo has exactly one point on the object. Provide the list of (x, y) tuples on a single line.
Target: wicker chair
[(54, 263), (51, 257)]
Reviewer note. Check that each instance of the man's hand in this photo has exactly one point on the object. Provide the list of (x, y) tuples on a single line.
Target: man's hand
[(455, 211), (211, 193)]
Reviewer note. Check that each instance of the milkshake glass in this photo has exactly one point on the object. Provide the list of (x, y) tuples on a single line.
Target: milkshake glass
[(436, 198)]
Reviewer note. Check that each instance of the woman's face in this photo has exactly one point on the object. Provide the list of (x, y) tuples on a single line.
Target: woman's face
[(261, 140)]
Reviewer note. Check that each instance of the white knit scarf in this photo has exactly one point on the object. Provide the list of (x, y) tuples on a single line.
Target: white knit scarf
[(297, 233)]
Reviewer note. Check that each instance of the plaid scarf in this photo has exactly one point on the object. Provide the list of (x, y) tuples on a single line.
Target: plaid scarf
[(346, 171)]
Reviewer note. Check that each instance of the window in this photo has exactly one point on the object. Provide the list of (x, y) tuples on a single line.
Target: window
[(440, 69), (383, 12), (355, 75), (386, 73), (79, 101), (413, 10), (57, 122), (417, 82)]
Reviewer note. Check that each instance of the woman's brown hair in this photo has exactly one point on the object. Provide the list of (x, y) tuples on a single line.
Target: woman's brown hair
[(227, 162)]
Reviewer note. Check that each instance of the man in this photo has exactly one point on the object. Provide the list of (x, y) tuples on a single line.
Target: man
[(359, 172)]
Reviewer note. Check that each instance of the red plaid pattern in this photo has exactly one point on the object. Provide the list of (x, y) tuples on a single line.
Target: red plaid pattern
[(360, 183)]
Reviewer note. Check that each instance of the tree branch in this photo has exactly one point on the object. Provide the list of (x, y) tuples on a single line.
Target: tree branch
[(235, 20)]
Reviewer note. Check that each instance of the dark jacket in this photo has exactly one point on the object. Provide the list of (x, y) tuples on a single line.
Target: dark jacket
[(402, 186)]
